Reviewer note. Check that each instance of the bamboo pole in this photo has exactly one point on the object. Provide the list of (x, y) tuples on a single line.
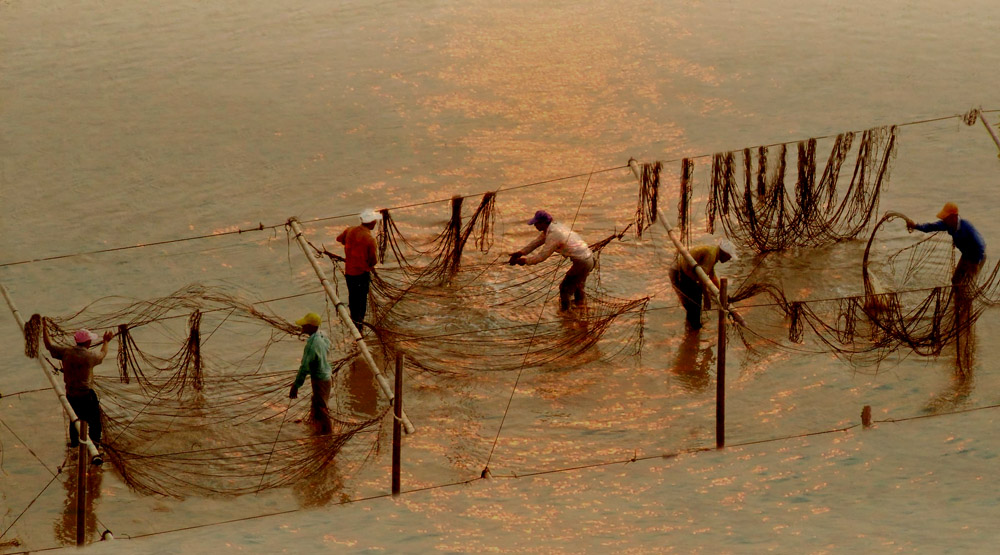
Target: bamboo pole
[(705, 280), (397, 441), (345, 317), (56, 386), (993, 133), (720, 370), (81, 492)]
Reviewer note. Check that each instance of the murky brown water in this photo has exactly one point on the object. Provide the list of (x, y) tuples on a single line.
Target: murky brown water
[(125, 124)]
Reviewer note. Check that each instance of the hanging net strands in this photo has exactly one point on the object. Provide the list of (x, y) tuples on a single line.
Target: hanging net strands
[(904, 306), (649, 189), (761, 216)]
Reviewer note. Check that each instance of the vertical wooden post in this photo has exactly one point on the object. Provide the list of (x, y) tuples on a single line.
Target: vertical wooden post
[(81, 486), (397, 441), (720, 371)]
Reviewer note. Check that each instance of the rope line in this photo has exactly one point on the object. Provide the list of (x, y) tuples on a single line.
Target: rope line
[(55, 476), (284, 415), (2, 395), (531, 342), (262, 227), (634, 459)]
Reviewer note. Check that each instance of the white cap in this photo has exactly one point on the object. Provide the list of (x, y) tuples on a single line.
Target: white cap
[(726, 246), (370, 216)]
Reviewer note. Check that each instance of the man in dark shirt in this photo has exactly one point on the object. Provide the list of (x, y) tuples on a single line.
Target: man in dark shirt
[(360, 256), (966, 239), (970, 243), (78, 374)]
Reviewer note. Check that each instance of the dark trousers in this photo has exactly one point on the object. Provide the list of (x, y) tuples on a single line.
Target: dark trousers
[(357, 296), (966, 272), (573, 283), (320, 409), (963, 283), (690, 292), (88, 409)]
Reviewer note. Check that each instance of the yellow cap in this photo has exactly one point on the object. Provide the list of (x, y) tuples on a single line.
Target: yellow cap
[(949, 209), (311, 319)]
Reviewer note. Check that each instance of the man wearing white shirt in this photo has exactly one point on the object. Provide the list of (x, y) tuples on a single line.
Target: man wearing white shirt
[(556, 237)]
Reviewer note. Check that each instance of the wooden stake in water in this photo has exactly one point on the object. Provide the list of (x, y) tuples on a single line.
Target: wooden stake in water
[(720, 371), (81, 487), (397, 440)]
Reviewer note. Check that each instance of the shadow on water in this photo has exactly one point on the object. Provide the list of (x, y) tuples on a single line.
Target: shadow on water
[(360, 394), (692, 363), (962, 380), (65, 527), (321, 489)]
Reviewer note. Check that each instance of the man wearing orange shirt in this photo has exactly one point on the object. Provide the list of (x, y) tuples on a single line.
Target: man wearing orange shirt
[(360, 256)]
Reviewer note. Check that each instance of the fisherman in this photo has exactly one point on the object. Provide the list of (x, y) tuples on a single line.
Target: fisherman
[(360, 256), (78, 374), (556, 237), (317, 367), (964, 237), (685, 280)]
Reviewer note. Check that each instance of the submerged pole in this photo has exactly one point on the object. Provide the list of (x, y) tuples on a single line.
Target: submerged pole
[(81, 492), (720, 370), (705, 280), (345, 317), (56, 386), (397, 440)]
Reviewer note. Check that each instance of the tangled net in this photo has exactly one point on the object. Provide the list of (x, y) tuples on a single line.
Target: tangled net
[(908, 302), (203, 419), (455, 317)]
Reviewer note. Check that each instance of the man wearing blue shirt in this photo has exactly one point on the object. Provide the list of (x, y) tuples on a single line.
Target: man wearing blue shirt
[(966, 239), (315, 365)]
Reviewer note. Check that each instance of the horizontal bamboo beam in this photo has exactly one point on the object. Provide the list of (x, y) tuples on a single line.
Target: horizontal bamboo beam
[(345, 317)]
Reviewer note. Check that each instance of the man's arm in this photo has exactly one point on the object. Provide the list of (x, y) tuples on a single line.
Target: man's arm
[(342, 237), (534, 244), (928, 227), (550, 246), (372, 253), (55, 350), (300, 378), (104, 345), (45, 336)]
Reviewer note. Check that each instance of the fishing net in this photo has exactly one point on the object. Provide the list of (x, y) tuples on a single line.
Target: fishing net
[(906, 301), (760, 213), (201, 413), (455, 315), (908, 304)]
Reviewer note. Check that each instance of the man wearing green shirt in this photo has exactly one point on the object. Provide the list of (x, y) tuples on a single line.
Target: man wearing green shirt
[(315, 365)]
